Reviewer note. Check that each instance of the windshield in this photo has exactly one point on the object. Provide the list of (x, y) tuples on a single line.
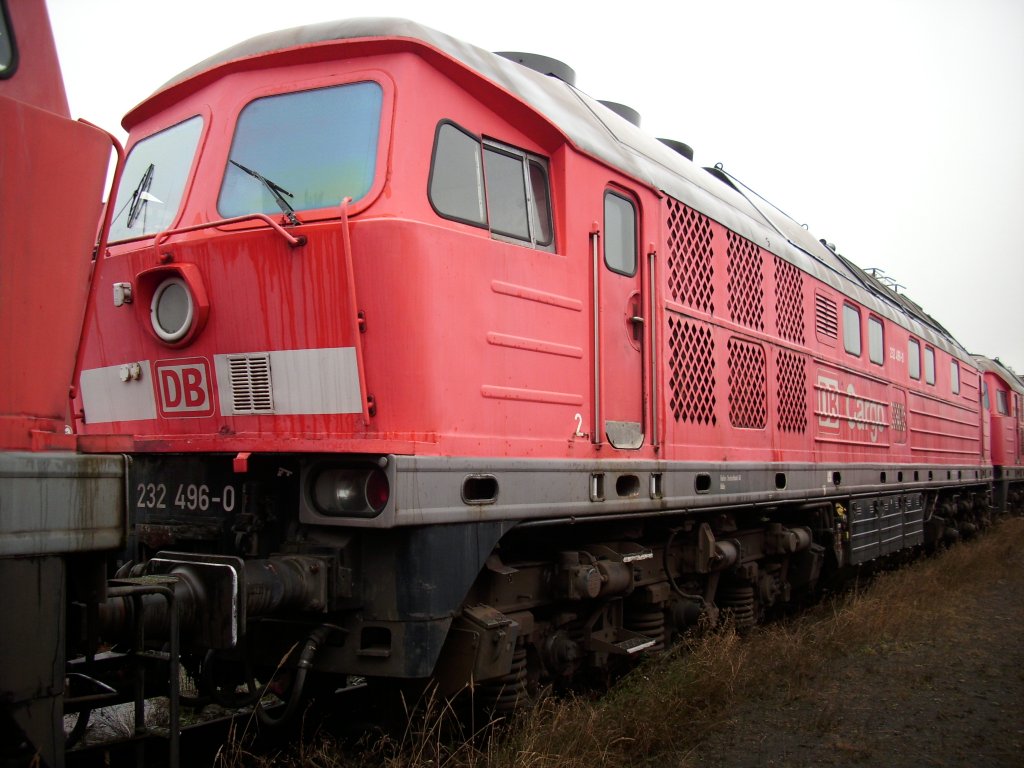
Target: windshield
[(320, 146), (7, 51), (153, 181)]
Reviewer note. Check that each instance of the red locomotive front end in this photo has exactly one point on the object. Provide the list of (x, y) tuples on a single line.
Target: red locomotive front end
[(290, 273), (1003, 412), (308, 323)]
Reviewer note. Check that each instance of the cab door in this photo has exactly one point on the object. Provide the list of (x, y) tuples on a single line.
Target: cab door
[(620, 323), (1020, 428)]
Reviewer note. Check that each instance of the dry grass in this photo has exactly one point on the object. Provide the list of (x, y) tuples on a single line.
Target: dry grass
[(659, 713)]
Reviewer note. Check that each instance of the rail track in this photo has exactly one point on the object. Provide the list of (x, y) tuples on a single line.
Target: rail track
[(204, 735)]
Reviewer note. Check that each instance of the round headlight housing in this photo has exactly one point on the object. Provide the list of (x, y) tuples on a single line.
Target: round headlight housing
[(172, 310), (355, 492)]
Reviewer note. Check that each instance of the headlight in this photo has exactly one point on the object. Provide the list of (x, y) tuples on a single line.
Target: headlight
[(355, 492), (172, 309)]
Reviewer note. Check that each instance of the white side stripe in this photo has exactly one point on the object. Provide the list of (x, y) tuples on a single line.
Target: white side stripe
[(305, 381), (105, 397)]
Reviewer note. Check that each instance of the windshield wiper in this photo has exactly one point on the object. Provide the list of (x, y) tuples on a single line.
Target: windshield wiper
[(276, 190), (137, 203)]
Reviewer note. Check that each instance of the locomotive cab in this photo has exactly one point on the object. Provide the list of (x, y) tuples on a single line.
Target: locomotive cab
[(285, 334)]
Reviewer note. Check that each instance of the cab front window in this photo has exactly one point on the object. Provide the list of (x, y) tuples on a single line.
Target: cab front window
[(153, 181), (303, 150), (8, 52)]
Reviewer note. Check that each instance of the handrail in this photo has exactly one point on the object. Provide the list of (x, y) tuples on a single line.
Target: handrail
[(135, 589), (97, 257), (357, 326), (652, 330), (115, 182), (595, 236), (292, 240)]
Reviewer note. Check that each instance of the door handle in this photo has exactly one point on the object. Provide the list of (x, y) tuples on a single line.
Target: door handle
[(638, 327)]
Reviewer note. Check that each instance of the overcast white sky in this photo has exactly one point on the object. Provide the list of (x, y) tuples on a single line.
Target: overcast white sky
[(893, 128)]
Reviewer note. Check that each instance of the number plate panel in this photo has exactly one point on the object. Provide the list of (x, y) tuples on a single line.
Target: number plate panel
[(169, 488)]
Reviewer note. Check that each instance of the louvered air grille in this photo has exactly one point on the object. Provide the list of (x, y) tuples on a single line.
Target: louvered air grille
[(826, 321), (251, 390)]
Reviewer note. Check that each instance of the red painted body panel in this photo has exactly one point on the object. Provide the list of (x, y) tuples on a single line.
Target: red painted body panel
[(55, 505), (51, 177), (477, 347), (37, 79), (764, 383)]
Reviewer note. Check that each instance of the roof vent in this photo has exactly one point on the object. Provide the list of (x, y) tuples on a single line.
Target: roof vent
[(622, 110), (683, 149), (543, 64)]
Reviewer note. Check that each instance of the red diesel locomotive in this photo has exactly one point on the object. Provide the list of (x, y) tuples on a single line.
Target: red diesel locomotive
[(1003, 418), (61, 512), (424, 356)]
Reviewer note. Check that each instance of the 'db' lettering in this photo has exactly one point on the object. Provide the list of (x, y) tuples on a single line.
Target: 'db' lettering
[(184, 387), (170, 389), (195, 394)]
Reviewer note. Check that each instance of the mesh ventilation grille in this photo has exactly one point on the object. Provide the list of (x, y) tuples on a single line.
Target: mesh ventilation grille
[(789, 305), (693, 372), (746, 283), (899, 417), (748, 408), (690, 266), (792, 380), (250, 384)]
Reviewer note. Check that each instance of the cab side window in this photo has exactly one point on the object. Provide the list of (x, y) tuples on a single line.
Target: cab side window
[(457, 176), (491, 185), (506, 193), (914, 359), (876, 341), (929, 365), (851, 329)]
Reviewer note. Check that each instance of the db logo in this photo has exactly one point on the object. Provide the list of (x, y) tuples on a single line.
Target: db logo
[(184, 387)]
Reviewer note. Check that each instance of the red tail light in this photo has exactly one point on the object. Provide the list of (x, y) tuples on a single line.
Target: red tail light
[(358, 492)]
